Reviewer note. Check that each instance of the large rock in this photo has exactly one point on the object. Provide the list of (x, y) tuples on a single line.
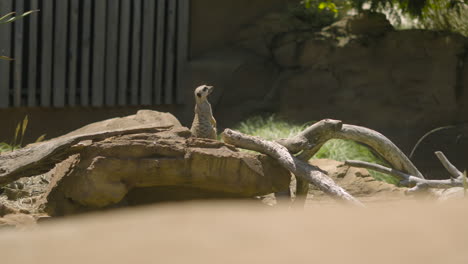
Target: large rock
[(165, 166), (141, 118), (145, 158)]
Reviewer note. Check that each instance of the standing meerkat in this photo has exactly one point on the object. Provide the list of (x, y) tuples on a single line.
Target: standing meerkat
[(204, 124)]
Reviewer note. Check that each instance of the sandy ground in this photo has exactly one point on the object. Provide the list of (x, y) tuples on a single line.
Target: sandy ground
[(400, 232)]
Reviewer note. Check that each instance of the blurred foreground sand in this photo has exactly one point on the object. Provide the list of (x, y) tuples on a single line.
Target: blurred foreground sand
[(404, 232)]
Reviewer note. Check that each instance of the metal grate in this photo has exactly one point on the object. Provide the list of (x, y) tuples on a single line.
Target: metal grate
[(94, 53)]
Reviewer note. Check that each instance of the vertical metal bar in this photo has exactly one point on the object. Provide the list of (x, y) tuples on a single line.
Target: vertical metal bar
[(136, 42), (73, 52), (60, 52), (6, 7), (85, 53), (170, 52), (124, 50), (47, 14), (99, 49), (112, 51), (18, 62), (183, 15), (147, 56), (33, 53), (159, 56)]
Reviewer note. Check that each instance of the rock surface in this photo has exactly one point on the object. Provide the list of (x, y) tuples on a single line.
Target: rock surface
[(357, 181), (141, 118)]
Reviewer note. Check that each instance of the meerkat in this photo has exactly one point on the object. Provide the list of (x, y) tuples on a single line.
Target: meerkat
[(204, 124)]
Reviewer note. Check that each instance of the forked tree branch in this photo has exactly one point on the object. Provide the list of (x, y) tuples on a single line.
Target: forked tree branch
[(311, 140), (298, 167)]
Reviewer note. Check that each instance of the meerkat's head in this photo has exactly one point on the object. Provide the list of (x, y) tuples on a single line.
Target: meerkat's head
[(202, 92)]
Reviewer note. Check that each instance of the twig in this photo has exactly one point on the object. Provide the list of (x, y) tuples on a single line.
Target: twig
[(448, 166)]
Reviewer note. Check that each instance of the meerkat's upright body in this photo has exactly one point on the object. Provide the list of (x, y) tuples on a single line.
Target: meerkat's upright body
[(204, 124)]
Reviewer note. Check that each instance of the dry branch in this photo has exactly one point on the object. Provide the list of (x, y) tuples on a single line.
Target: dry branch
[(311, 139), (448, 166), (298, 167), (419, 183)]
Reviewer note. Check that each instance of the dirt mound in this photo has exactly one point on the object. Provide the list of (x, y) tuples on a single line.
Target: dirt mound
[(357, 181)]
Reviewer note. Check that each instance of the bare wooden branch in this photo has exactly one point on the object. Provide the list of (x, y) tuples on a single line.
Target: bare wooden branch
[(420, 184), (382, 145), (309, 142), (298, 167), (448, 166), (42, 157), (311, 139), (378, 168)]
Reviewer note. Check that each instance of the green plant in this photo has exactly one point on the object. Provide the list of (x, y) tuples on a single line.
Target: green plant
[(18, 137), (449, 15), (10, 17), (272, 127), (321, 5), (314, 13)]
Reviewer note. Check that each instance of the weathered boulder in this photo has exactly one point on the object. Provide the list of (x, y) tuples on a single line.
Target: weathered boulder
[(145, 158), (142, 117), (166, 166)]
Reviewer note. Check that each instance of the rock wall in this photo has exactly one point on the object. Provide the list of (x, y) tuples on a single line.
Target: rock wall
[(359, 70)]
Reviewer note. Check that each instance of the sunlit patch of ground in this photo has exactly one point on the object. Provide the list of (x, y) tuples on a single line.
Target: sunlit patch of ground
[(396, 232)]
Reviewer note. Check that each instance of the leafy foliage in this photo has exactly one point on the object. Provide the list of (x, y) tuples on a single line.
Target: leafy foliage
[(321, 5), (11, 17), (449, 15), (412, 7), (315, 13)]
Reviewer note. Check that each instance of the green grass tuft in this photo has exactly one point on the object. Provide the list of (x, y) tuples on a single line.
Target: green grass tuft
[(272, 128), (18, 137)]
